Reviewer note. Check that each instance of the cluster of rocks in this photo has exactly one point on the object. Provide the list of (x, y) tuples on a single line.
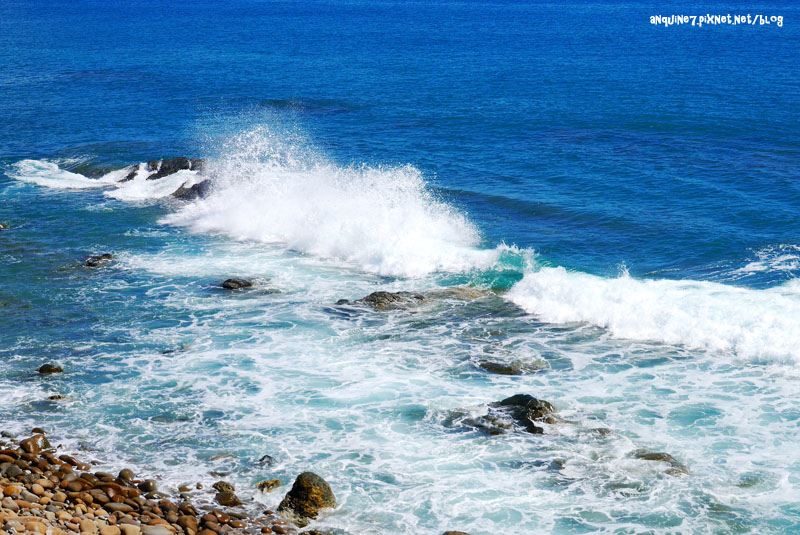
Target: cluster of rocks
[(157, 169), (521, 411), (60, 495)]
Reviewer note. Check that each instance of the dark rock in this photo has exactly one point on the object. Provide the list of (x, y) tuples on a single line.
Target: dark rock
[(228, 499), (266, 460), (196, 191), (236, 284), (98, 260), (148, 485), (520, 411), (501, 369), (677, 467), (268, 485), (169, 167), (131, 174), (3, 226), (309, 494), (387, 300), (58, 397), (126, 474), (47, 369)]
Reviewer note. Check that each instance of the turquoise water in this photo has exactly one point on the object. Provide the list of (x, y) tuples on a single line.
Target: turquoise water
[(616, 204)]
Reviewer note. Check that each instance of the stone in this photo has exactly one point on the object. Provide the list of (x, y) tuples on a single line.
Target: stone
[(88, 526), (677, 467), (501, 369), (223, 486), (35, 444), (387, 300), (522, 410), (195, 191), (129, 529), (268, 485), (228, 499), (47, 369), (158, 529), (98, 260), (308, 495), (148, 485), (236, 284), (110, 530), (168, 167), (3, 226), (126, 475)]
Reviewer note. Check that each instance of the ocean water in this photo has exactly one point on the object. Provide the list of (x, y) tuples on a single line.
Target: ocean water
[(612, 205)]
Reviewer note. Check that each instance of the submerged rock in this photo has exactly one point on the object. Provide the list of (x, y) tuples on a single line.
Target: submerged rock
[(47, 369), (236, 284), (677, 467), (519, 411), (308, 495), (387, 300), (514, 368), (98, 260)]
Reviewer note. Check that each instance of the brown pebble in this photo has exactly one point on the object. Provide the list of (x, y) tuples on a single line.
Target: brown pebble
[(59, 497), (110, 530), (129, 529), (206, 532), (279, 529), (11, 491), (88, 526), (266, 529)]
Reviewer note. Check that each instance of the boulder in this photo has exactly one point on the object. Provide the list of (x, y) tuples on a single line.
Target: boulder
[(228, 499), (47, 369), (521, 411), (193, 192), (677, 467), (168, 167), (308, 495), (35, 444), (387, 300), (236, 284), (98, 260), (268, 485), (223, 486)]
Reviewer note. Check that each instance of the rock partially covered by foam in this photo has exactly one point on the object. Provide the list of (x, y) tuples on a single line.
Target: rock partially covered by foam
[(677, 468), (159, 169), (387, 300), (521, 411), (308, 495)]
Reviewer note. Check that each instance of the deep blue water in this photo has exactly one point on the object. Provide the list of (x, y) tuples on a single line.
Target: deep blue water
[(644, 179)]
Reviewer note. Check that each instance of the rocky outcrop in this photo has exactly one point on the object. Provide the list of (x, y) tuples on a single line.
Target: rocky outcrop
[(387, 300), (236, 284), (158, 169), (98, 260), (47, 369), (677, 468), (521, 411), (195, 191), (308, 495)]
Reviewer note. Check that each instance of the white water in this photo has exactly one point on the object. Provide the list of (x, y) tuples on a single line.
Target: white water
[(696, 314)]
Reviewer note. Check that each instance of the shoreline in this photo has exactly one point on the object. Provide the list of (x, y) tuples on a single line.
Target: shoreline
[(52, 493)]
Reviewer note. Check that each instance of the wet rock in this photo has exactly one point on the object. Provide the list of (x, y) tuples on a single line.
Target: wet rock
[(266, 460), (677, 467), (387, 300), (236, 284), (35, 444), (268, 485), (228, 499), (132, 170), (308, 495), (519, 411), (195, 191), (223, 486), (98, 260), (148, 485), (168, 167), (126, 475), (47, 369), (3, 226), (514, 368)]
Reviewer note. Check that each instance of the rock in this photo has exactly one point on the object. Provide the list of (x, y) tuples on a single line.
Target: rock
[(196, 191), (3, 226), (236, 284), (308, 495), (58, 397), (228, 499), (148, 485), (268, 485), (98, 260), (387, 300), (35, 444), (131, 173), (129, 529), (517, 411), (109, 530), (677, 467), (266, 460), (88, 526), (47, 369), (223, 486), (158, 529), (168, 167), (515, 368), (126, 475)]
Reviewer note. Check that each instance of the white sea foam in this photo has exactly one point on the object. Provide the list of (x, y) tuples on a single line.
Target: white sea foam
[(700, 315), (49, 174), (381, 219)]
